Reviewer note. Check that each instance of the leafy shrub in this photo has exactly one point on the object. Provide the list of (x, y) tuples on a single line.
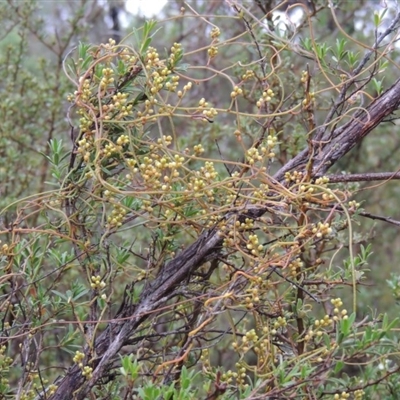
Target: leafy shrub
[(195, 248)]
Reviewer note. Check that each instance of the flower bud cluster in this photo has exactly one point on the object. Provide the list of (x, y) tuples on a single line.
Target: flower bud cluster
[(111, 149), (110, 45), (198, 149), (5, 362), (322, 181), (212, 51), (241, 376), (85, 93), (165, 141), (309, 100), (176, 51), (158, 171), (325, 322), (227, 376), (341, 396), (117, 109), (265, 98), (270, 144), (321, 229), (253, 155), (353, 206), (253, 245), (107, 78), (253, 298), (304, 76), (186, 88), (248, 340), (160, 81), (127, 56), (295, 176), (279, 324), (237, 91), (97, 283), (338, 314), (295, 266), (211, 113), (4, 249), (205, 356), (308, 191), (115, 219), (215, 32), (249, 74), (231, 240), (208, 171), (359, 394), (246, 225), (86, 370), (208, 112), (160, 77), (84, 123), (152, 58), (84, 147), (260, 194)]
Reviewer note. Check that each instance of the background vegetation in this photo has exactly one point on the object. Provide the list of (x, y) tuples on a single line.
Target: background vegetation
[(202, 206)]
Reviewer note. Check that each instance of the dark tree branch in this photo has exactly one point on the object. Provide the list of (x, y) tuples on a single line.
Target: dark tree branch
[(389, 220), (346, 137), (367, 177), (365, 214), (321, 133)]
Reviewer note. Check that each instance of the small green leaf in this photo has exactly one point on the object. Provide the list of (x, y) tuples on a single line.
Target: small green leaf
[(145, 45), (307, 43), (338, 366), (59, 294), (182, 67), (83, 49)]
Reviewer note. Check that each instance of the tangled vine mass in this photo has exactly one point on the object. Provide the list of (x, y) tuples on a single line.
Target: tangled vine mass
[(194, 238)]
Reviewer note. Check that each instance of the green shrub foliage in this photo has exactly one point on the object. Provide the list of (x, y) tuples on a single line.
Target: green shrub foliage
[(170, 229)]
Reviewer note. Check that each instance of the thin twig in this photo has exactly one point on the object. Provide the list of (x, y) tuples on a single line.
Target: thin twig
[(380, 218), (367, 177)]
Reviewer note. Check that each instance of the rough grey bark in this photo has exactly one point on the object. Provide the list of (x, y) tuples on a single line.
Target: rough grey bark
[(333, 146)]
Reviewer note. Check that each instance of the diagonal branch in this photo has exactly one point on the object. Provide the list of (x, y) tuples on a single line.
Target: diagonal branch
[(366, 177), (389, 220), (347, 136)]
